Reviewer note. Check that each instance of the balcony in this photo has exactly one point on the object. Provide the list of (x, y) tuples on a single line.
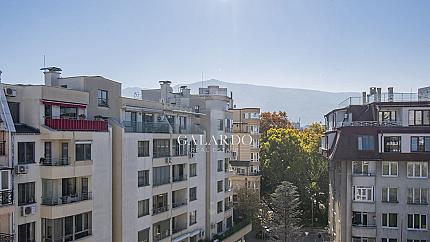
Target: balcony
[(160, 210), (64, 124), (235, 233), (60, 200), (369, 124), (146, 127), (177, 229), (179, 178), (63, 161), (6, 198), (162, 235), (6, 237), (228, 206), (179, 204)]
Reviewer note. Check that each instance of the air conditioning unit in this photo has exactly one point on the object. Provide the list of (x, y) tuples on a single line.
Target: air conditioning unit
[(27, 210), (168, 160), (10, 92), (21, 169)]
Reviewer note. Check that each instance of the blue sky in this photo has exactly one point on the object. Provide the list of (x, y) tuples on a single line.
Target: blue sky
[(324, 45)]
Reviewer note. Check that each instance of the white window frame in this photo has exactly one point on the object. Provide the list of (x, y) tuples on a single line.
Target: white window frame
[(363, 193), (419, 222), (388, 221), (423, 166), (388, 189), (390, 164), (363, 164), (9, 180), (414, 194)]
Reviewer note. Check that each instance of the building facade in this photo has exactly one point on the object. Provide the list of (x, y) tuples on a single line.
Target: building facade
[(378, 147)]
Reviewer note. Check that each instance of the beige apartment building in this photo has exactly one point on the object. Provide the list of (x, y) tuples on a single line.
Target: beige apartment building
[(245, 163), (82, 163)]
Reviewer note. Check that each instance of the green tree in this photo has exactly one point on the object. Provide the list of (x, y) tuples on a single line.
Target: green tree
[(248, 206), (286, 216)]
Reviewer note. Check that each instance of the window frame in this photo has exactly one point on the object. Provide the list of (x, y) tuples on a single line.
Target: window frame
[(390, 165)]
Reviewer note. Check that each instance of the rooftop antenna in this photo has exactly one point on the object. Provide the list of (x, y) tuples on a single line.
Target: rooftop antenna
[(44, 61)]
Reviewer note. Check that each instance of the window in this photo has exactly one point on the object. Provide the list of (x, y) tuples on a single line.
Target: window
[(363, 193), (159, 203), (69, 228), (219, 227), (193, 169), (366, 142), (419, 117), (83, 152), (143, 235), (26, 232), (389, 168), (161, 175), (143, 148), (26, 193), (193, 217), (416, 240), (363, 239), (4, 180), (417, 169), (25, 152), (417, 195), (389, 220), (182, 123), (179, 147), (420, 144), (193, 238), (14, 111), (389, 194), (219, 207), (143, 208), (82, 225), (388, 240), (102, 96), (359, 219), (360, 167), (385, 116), (48, 150), (220, 124), (143, 178), (68, 112), (226, 164), (417, 221), (219, 145), (2, 148), (220, 165), (392, 144), (161, 148), (193, 193), (219, 186)]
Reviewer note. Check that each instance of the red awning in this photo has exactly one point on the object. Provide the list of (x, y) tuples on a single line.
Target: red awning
[(64, 104)]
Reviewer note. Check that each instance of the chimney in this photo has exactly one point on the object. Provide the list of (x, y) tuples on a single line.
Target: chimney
[(52, 74), (165, 90), (364, 97), (379, 94), (185, 91), (390, 94)]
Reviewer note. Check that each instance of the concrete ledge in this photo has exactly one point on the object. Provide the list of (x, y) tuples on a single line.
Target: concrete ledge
[(238, 234)]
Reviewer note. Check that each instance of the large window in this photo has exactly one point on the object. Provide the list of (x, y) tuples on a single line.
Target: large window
[(219, 207), (392, 144), (143, 178), (143, 148), (419, 117), (83, 151), (385, 116), (390, 168), (68, 112), (161, 175), (193, 217), (360, 167), (363, 193), (161, 148), (69, 228), (193, 169), (366, 142), (417, 221), (193, 194), (142, 208), (389, 220), (359, 218), (220, 165), (417, 170), (25, 152), (26, 232), (179, 147), (103, 98), (389, 194), (182, 123), (143, 235), (26, 194), (420, 144), (417, 195)]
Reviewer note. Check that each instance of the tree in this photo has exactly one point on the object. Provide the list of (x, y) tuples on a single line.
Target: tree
[(270, 120), (285, 204), (248, 206)]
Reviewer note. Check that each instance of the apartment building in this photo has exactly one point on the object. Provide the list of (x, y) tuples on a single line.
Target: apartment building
[(245, 163), (378, 147)]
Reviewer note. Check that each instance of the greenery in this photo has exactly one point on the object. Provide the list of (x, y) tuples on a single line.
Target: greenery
[(288, 154), (248, 206), (236, 227), (285, 205)]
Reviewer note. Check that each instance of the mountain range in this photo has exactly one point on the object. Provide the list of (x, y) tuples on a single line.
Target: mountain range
[(302, 105)]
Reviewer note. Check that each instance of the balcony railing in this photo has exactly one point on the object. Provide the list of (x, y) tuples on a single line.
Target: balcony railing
[(160, 210), (146, 127), (369, 123), (363, 174), (63, 161), (59, 200), (162, 235), (6, 237), (228, 206), (364, 225), (179, 229), (179, 178), (6, 198), (179, 204), (76, 124)]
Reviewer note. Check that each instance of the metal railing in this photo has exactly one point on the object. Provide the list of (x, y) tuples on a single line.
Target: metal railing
[(178, 229), (162, 235), (160, 210), (179, 204), (369, 123), (385, 97), (363, 174), (6, 237), (59, 200), (146, 127), (6, 197), (179, 178), (63, 161), (76, 124)]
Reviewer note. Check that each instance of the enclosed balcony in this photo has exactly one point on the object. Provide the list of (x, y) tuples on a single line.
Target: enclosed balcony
[(179, 198), (179, 223), (65, 191), (6, 198), (146, 127), (160, 204), (161, 230), (78, 124)]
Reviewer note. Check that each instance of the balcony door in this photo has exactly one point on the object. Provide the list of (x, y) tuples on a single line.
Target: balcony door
[(85, 188), (64, 152)]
